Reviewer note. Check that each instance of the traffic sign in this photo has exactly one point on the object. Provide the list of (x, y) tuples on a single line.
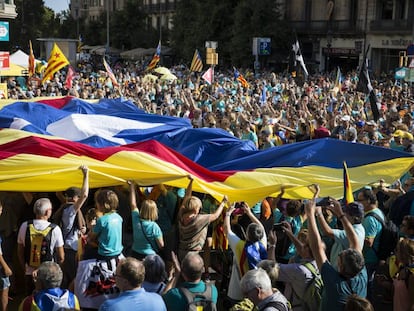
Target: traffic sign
[(410, 76), (4, 31), (411, 65), (400, 73), (265, 46), (410, 50)]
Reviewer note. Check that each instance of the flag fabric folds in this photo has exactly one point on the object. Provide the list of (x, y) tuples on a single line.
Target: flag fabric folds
[(348, 195), (208, 76), (57, 61), (69, 78), (43, 143), (31, 60), (239, 77), (110, 73), (364, 86), (155, 59), (299, 57), (196, 63)]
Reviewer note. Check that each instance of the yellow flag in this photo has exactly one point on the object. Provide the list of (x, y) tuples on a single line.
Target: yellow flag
[(348, 195), (57, 60)]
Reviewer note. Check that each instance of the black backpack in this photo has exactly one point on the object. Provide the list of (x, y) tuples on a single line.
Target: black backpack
[(388, 239), (203, 299)]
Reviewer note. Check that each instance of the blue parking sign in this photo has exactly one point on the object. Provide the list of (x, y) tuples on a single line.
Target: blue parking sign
[(4, 31), (265, 47)]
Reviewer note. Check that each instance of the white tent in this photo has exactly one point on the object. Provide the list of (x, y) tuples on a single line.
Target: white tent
[(20, 58)]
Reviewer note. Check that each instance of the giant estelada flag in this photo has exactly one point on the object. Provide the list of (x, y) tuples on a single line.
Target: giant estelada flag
[(42, 145)]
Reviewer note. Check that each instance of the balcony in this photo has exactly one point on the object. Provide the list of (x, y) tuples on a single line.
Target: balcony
[(317, 27), (401, 26), (7, 10), (159, 8)]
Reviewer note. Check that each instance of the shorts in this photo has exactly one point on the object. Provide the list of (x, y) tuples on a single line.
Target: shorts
[(4, 282)]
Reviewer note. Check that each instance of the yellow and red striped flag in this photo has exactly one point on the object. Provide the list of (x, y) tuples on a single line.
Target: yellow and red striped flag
[(31, 60), (110, 73), (239, 77), (196, 63), (348, 195), (155, 58), (57, 60)]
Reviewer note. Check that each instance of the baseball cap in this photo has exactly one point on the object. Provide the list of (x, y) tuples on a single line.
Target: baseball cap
[(408, 136), (355, 209), (371, 122), (72, 192), (346, 118), (398, 133)]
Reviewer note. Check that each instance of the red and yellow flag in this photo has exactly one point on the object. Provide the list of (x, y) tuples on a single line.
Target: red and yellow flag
[(31, 60), (57, 60), (348, 195)]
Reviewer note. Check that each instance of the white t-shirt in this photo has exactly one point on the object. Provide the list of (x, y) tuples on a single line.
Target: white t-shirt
[(69, 228), (234, 291), (39, 224)]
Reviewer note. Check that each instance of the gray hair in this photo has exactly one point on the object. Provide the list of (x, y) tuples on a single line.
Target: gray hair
[(256, 278), (49, 275), (41, 206)]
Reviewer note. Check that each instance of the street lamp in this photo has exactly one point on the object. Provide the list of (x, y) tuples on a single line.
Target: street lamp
[(328, 52)]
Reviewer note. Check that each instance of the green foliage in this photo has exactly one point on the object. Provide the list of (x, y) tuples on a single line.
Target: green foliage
[(231, 23)]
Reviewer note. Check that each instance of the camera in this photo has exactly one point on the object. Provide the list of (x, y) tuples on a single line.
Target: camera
[(325, 202), (278, 227), (238, 209)]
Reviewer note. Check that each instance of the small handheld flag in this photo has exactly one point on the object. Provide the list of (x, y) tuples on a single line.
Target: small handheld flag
[(208, 75), (57, 60), (348, 195), (196, 63), (31, 60), (239, 77), (110, 73)]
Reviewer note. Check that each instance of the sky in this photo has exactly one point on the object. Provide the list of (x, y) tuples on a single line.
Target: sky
[(57, 5)]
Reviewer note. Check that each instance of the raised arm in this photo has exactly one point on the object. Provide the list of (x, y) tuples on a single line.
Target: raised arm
[(219, 210), (85, 188), (326, 229), (336, 208), (132, 195), (298, 244), (315, 241)]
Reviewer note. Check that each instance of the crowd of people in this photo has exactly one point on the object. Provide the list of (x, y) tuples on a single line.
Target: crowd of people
[(129, 246)]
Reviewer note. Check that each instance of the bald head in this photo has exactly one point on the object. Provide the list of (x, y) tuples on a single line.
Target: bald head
[(192, 266)]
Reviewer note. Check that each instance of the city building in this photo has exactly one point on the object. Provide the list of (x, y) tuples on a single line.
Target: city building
[(336, 33), (331, 33), (7, 9)]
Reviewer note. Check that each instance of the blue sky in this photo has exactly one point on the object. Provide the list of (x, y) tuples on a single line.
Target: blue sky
[(57, 5)]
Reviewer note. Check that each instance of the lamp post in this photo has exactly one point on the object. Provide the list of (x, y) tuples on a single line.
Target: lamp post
[(107, 26), (328, 52)]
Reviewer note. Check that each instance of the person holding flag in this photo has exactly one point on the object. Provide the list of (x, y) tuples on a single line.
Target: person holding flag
[(57, 60)]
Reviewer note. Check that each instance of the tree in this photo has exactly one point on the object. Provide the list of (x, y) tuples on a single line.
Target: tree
[(231, 23)]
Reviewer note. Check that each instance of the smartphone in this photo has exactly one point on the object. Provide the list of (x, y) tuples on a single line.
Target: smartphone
[(278, 227)]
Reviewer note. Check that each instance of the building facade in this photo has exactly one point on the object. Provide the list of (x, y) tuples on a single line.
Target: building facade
[(336, 33), (331, 33), (8, 9)]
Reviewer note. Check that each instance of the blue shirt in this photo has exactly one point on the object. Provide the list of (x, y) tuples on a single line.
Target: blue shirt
[(337, 289), (152, 231), (137, 299), (373, 229), (109, 231)]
